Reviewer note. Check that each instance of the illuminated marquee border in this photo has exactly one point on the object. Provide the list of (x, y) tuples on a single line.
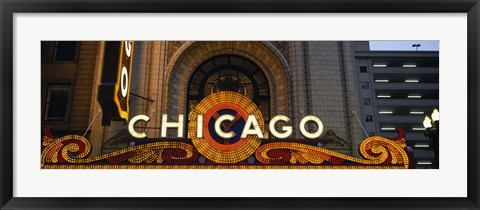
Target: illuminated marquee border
[(71, 151)]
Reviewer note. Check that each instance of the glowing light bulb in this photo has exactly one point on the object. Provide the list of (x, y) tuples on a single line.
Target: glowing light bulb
[(427, 123), (435, 115)]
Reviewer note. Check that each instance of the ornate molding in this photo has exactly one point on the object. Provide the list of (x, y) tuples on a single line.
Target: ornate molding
[(192, 54), (330, 140), (345, 92), (172, 47), (282, 46)]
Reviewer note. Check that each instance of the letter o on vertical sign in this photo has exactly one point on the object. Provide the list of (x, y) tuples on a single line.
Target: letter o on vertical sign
[(122, 86), (124, 81)]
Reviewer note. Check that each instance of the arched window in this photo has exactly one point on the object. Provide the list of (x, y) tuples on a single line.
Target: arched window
[(232, 73)]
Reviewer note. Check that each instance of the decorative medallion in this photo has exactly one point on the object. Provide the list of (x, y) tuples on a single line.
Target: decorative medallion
[(213, 146)]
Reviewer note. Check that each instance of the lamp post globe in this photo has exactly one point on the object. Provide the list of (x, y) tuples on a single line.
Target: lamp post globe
[(435, 115), (427, 123), (432, 127)]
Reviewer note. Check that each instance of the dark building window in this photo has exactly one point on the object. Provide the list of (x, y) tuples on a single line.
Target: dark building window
[(368, 118), (230, 73), (363, 69), (366, 101), (65, 51), (365, 85), (229, 80), (56, 102)]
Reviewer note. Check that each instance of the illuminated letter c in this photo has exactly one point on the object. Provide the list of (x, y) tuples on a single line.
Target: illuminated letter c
[(219, 131), (131, 125)]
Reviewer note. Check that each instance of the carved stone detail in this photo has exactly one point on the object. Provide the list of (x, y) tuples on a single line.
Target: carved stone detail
[(172, 47), (119, 141), (282, 46), (330, 140)]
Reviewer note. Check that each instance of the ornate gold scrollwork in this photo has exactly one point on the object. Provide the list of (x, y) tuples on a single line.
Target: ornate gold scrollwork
[(376, 150), (73, 149)]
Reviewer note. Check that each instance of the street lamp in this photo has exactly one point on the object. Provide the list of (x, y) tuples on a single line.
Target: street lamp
[(435, 115), (427, 122), (416, 46), (432, 127)]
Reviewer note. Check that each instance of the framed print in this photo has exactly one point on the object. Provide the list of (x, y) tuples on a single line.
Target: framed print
[(206, 104)]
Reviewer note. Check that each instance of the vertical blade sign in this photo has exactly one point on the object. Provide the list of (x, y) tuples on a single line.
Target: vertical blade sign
[(114, 89), (122, 86)]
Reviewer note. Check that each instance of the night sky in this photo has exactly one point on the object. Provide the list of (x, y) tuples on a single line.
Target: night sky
[(430, 45)]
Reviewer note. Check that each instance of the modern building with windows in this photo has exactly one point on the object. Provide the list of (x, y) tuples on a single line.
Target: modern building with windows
[(398, 89), (343, 83)]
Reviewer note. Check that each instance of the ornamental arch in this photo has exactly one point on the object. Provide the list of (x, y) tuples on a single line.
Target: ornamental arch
[(229, 73), (188, 56)]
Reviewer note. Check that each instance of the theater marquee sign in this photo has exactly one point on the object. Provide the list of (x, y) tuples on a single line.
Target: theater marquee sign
[(226, 130)]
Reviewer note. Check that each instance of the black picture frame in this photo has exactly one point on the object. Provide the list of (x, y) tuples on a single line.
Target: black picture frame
[(10, 7)]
